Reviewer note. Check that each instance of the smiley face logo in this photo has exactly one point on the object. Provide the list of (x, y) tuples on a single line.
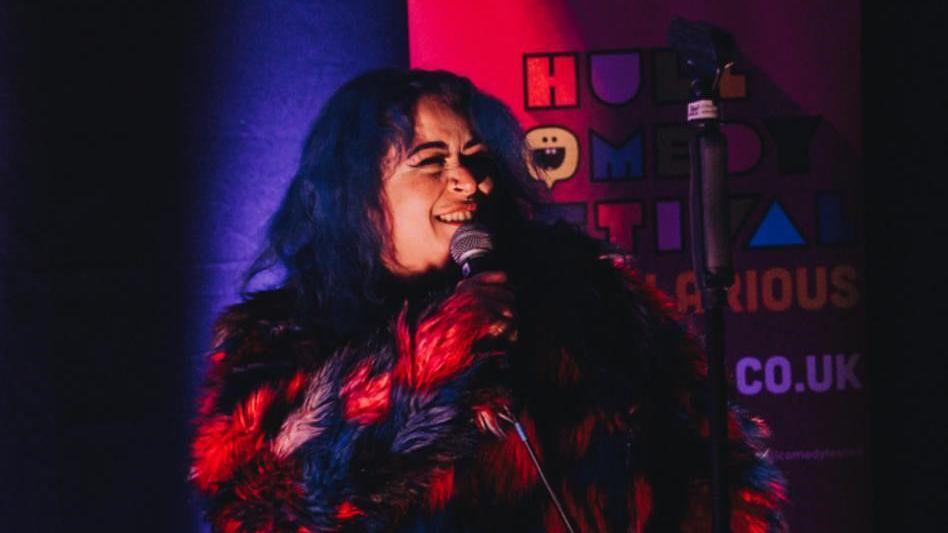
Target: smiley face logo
[(554, 154)]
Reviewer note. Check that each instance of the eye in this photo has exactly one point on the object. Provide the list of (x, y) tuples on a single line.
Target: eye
[(480, 164), (432, 161)]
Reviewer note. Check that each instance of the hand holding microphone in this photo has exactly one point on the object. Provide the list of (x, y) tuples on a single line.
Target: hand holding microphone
[(485, 286)]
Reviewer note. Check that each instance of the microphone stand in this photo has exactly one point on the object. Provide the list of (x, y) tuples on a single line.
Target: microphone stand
[(708, 151), (707, 51)]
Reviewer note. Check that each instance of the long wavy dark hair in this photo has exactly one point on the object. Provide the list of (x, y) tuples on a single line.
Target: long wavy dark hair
[(322, 235)]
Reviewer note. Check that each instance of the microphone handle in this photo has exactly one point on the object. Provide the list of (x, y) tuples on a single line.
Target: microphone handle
[(477, 263)]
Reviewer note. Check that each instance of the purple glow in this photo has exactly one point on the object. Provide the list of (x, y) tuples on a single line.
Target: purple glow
[(269, 67)]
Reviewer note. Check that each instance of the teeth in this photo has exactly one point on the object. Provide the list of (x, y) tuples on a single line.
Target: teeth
[(457, 216)]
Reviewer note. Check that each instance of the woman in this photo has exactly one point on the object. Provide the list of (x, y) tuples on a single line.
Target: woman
[(376, 389)]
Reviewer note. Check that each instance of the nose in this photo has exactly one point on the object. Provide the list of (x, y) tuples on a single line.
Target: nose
[(462, 181)]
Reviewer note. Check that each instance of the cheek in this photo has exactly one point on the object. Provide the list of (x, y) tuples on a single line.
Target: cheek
[(414, 239), (486, 186), (413, 224)]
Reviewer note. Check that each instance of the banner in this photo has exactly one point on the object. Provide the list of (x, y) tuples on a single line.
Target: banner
[(600, 95)]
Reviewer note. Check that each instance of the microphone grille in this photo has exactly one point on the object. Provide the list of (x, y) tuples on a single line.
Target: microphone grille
[(469, 241)]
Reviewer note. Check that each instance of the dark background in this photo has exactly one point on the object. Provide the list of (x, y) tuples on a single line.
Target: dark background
[(905, 112), (97, 161)]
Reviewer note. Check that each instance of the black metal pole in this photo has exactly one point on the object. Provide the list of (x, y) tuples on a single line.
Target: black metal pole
[(715, 300), (711, 257)]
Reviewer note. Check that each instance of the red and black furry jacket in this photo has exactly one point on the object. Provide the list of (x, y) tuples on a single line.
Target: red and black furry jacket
[(403, 430)]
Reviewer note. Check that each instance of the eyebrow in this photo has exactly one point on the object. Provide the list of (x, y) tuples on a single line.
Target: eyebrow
[(427, 145), (442, 145)]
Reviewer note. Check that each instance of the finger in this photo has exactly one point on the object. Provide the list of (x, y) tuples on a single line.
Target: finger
[(497, 303), (491, 277), (498, 329), (500, 292), (504, 330), (488, 293)]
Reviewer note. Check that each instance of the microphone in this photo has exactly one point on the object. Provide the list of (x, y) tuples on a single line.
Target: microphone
[(471, 248)]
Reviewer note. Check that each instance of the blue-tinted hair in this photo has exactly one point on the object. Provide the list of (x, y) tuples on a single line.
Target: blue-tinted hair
[(322, 235)]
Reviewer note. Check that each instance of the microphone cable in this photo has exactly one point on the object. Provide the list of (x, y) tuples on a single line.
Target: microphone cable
[(509, 417)]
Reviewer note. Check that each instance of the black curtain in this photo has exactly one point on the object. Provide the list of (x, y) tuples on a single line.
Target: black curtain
[(93, 388), (904, 67)]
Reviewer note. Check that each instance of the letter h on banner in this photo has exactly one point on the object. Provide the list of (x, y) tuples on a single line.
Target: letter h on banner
[(551, 81)]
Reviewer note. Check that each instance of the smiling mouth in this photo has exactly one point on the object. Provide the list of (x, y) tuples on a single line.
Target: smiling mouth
[(549, 158), (456, 217)]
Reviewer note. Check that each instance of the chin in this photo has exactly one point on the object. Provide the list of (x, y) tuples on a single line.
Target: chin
[(436, 261)]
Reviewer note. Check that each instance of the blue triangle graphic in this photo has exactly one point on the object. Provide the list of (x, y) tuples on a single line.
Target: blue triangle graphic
[(776, 229)]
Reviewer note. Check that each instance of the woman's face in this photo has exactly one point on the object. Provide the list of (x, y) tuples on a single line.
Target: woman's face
[(431, 189)]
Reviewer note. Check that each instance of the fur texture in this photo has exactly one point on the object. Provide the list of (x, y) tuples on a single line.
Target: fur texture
[(405, 430)]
